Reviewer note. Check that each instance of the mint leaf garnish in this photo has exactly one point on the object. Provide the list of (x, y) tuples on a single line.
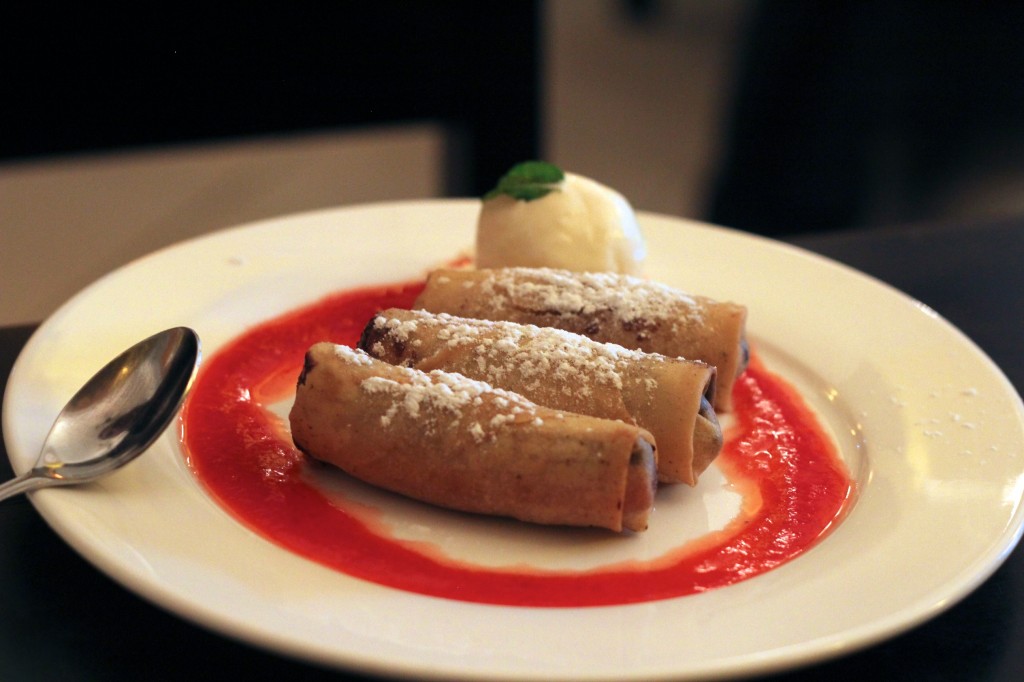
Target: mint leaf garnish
[(528, 180)]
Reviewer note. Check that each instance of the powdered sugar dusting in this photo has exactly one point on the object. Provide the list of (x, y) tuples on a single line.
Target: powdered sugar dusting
[(353, 356), (397, 329), (442, 398), (564, 292), (531, 355)]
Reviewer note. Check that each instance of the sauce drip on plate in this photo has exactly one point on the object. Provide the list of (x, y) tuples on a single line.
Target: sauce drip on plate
[(795, 487)]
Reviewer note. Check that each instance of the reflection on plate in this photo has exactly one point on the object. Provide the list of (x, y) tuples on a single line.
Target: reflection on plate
[(932, 431)]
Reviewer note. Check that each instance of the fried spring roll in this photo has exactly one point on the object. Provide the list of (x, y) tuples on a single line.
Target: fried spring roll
[(670, 397), (458, 443), (607, 307)]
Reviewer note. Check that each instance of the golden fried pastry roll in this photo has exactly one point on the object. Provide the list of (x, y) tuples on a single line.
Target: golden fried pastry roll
[(607, 307), (670, 397), (461, 444)]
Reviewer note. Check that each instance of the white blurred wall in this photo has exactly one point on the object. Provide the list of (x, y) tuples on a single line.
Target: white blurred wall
[(636, 103)]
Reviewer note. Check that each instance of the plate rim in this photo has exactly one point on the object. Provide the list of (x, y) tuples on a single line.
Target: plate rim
[(764, 661)]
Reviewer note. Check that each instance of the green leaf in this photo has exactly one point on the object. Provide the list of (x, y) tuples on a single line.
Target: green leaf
[(528, 180)]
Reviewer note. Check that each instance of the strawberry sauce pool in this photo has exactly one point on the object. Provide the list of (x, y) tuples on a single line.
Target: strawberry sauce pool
[(795, 486)]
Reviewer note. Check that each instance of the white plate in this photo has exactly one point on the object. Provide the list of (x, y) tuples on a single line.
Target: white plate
[(932, 431)]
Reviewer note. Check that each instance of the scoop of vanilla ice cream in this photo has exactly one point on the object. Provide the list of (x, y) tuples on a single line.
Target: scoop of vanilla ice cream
[(581, 225)]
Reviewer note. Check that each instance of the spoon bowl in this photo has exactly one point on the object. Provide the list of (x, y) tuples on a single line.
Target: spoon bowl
[(117, 414)]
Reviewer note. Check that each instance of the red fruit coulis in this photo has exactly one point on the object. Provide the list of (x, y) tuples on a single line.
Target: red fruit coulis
[(795, 487)]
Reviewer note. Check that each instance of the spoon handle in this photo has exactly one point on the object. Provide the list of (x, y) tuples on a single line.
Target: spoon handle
[(25, 483)]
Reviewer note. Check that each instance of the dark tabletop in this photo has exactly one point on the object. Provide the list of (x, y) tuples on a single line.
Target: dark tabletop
[(61, 619)]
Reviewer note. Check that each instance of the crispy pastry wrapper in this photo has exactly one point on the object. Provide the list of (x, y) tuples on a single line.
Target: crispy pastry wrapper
[(608, 307), (461, 444), (670, 397)]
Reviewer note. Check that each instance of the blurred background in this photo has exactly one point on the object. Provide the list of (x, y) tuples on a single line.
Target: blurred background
[(126, 130)]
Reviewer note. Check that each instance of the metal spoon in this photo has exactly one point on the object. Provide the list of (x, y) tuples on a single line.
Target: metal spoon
[(117, 414)]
